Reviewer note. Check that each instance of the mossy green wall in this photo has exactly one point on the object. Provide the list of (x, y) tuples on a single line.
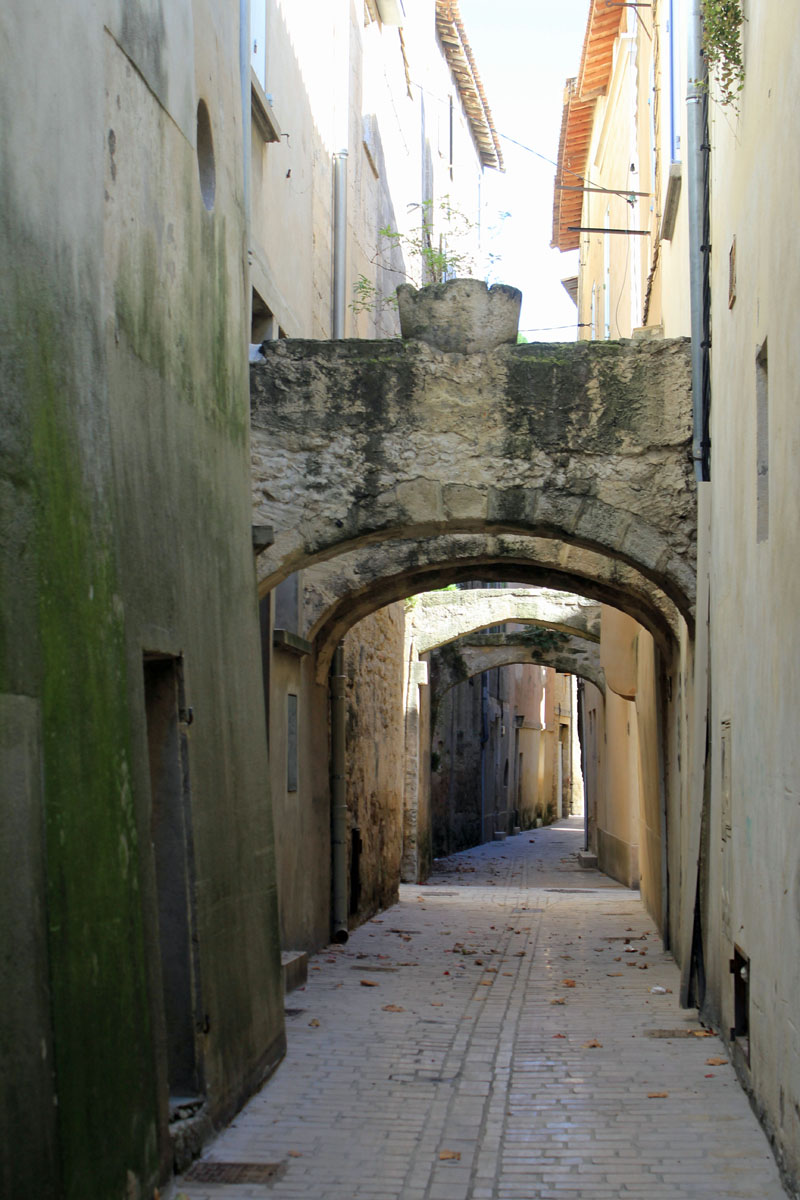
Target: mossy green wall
[(125, 527), (69, 653)]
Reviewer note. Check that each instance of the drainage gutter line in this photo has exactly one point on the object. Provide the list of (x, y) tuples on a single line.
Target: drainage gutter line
[(697, 138), (339, 796), (339, 242)]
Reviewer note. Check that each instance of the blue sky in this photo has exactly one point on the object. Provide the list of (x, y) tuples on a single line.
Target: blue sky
[(525, 50)]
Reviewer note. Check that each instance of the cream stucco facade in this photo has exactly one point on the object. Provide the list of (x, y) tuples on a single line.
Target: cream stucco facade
[(740, 818)]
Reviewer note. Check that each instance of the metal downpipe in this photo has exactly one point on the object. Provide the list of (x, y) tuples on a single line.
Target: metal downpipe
[(339, 242), (484, 740), (697, 72), (339, 797)]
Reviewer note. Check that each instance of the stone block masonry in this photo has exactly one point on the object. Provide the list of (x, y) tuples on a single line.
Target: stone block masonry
[(378, 444)]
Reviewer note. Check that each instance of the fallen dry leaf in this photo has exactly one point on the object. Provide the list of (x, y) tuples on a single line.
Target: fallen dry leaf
[(486, 983), (455, 1155), (568, 983), (657, 1095), (559, 1035), (643, 966), (703, 1032), (368, 982), (593, 1045), (314, 1023), (393, 1008), (614, 974), (519, 954), (437, 1003), (511, 973), (295, 1154), (558, 1000), (716, 1061)]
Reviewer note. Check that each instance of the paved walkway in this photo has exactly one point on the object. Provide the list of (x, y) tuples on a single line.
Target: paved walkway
[(497, 1036)]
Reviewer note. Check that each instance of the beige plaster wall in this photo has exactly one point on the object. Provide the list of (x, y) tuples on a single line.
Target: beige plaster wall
[(617, 818), (753, 885), (302, 817), (339, 80), (646, 277), (594, 753), (651, 797)]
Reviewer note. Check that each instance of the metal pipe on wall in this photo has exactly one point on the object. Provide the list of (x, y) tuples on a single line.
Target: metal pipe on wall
[(484, 740), (339, 796), (339, 242), (697, 138)]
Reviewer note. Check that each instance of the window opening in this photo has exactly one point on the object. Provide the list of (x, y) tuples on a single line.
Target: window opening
[(258, 40), (740, 1030), (291, 743), (762, 445), (607, 277)]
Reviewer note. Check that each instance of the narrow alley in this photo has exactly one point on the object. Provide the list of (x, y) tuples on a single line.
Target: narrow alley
[(509, 1030)]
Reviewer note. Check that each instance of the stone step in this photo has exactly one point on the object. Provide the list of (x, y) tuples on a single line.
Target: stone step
[(294, 967)]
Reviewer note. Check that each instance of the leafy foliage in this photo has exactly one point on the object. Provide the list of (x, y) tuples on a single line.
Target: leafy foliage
[(722, 46), (441, 247)]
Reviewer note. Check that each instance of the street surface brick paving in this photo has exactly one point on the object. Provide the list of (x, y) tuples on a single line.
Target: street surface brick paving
[(495, 1036)]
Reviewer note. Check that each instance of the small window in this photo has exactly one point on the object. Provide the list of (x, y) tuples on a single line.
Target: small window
[(762, 445), (258, 40), (205, 156), (725, 773), (740, 1030), (291, 743)]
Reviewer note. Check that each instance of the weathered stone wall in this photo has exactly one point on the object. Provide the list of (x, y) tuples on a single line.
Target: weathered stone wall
[(375, 752), (586, 444), (342, 590), (439, 617), (494, 748), (469, 656)]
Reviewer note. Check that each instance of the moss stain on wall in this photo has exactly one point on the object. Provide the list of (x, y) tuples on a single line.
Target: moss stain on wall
[(101, 1027)]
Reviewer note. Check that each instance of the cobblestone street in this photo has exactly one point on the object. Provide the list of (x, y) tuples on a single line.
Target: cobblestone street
[(509, 1030)]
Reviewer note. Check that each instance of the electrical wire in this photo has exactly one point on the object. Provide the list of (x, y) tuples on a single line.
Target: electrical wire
[(549, 328), (584, 179)]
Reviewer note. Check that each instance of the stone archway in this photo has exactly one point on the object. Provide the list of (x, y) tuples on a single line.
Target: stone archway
[(444, 616), (468, 656), (388, 468), (458, 663), (338, 593), (357, 444), (562, 631)]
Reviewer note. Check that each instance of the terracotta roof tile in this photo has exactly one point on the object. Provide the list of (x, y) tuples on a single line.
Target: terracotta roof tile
[(580, 94), (461, 61)]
